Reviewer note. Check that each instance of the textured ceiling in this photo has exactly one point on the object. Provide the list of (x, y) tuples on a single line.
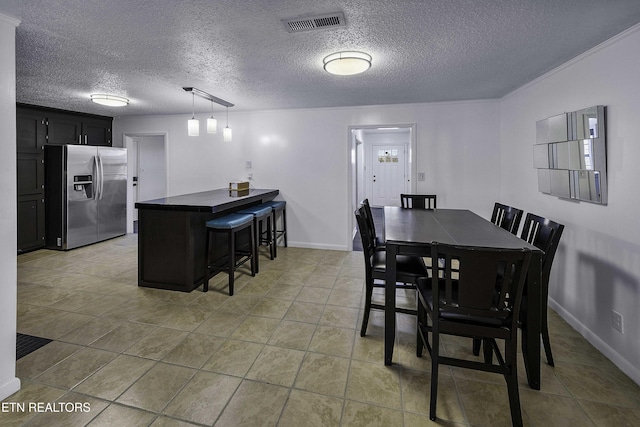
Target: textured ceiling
[(239, 50)]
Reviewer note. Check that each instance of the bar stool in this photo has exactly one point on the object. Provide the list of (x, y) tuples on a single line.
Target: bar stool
[(278, 207), (261, 214), (230, 225)]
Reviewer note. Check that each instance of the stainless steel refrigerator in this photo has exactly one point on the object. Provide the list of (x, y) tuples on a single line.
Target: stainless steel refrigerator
[(85, 194)]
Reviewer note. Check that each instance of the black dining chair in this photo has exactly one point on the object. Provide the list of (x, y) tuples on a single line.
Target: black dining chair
[(378, 242), (484, 303), (408, 270), (506, 217), (545, 235), (418, 201)]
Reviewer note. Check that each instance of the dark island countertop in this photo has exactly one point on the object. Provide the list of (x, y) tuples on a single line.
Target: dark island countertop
[(209, 201)]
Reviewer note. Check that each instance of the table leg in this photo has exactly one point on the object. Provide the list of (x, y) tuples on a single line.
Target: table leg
[(531, 325), (390, 303)]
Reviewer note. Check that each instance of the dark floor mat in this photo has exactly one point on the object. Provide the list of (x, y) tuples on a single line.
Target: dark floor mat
[(26, 344)]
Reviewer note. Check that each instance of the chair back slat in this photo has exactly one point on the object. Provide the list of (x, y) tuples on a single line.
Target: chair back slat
[(368, 215), (365, 235), (507, 217), (418, 201), (545, 235), (489, 282)]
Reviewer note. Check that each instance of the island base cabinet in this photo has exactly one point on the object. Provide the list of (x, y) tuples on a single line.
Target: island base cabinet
[(172, 236), (171, 248)]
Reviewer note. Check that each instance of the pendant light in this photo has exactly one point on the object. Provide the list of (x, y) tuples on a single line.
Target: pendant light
[(212, 123), (193, 125), (226, 133)]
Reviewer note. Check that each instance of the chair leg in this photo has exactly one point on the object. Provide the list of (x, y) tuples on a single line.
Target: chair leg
[(544, 323), (476, 346), (367, 310), (255, 229), (253, 252), (420, 321), (274, 234), (205, 276), (545, 339), (232, 261), (435, 349), (270, 237), (487, 348), (284, 226), (512, 384)]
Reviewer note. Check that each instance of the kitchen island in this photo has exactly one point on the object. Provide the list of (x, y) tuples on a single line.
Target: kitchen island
[(171, 234)]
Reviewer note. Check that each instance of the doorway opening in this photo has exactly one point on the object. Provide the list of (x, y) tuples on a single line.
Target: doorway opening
[(147, 171), (381, 167)]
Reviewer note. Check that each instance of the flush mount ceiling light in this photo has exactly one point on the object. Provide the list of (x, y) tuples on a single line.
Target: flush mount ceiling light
[(109, 100), (347, 63)]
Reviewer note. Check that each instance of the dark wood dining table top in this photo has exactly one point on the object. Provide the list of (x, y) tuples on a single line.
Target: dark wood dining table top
[(451, 226)]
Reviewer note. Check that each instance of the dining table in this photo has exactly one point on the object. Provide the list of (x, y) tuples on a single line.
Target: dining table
[(411, 232)]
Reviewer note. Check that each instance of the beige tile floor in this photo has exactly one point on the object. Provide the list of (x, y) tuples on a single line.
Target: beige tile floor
[(285, 350)]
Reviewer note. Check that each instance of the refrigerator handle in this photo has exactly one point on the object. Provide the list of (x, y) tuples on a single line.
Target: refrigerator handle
[(101, 177), (96, 180)]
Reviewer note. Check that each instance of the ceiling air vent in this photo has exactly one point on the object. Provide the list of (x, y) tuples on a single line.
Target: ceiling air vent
[(318, 22)]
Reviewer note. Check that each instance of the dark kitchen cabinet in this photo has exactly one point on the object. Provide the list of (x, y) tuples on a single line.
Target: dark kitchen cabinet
[(37, 127), (31, 134), (73, 129), (63, 129), (31, 226)]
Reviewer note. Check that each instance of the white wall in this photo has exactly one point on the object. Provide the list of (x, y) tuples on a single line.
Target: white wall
[(306, 154), (9, 383), (193, 163), (357, 169), (597, 267)]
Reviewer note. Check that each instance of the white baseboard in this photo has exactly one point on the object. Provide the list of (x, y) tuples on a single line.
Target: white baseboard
[(318, 246), (10, 387), (622, 363)]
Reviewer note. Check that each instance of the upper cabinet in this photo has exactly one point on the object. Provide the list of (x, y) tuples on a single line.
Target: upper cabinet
[(31, 131), (97, 131), (571, 155), (64, 128)]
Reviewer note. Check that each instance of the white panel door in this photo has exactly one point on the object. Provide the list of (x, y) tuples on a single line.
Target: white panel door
[(388, 170), (152, 170)]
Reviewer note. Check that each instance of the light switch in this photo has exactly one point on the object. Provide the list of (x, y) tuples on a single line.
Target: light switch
[(421, 176), (248, 164)]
